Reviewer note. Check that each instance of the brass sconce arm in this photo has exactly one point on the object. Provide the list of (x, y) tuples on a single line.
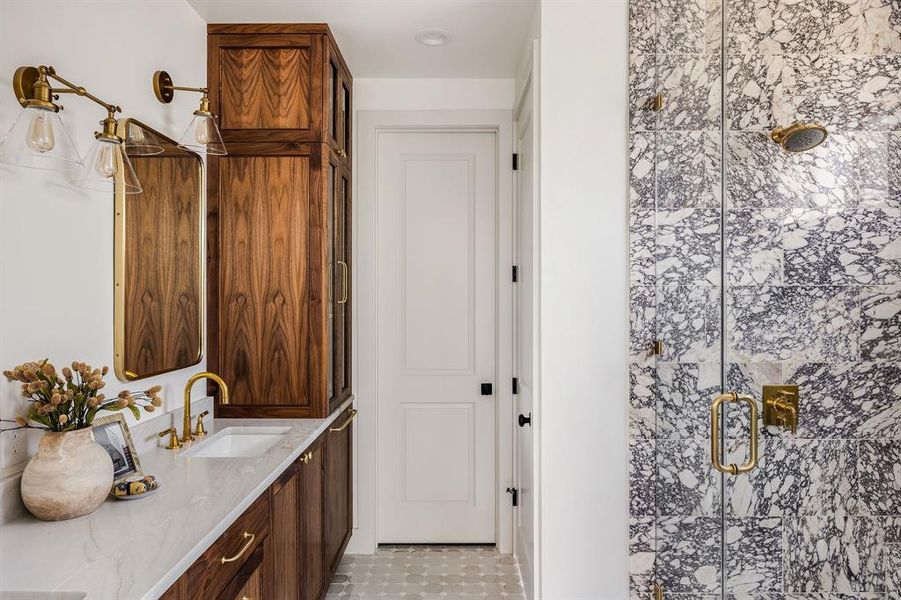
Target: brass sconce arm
[(32, 88)]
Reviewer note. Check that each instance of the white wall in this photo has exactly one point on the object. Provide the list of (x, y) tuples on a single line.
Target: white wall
[(584, 320), (391, 94), (56, 243)]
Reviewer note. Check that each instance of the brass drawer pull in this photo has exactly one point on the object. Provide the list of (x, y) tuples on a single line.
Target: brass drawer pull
[(247, 536), (306, 457), (346, 424), (715, 433)]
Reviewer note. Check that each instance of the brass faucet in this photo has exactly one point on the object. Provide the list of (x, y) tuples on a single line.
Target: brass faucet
[(186, 435)]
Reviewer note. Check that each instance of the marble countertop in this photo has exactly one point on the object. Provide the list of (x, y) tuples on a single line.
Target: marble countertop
[(136, 550)]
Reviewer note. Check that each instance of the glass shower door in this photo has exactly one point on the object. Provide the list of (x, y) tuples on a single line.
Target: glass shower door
[(755, 265)]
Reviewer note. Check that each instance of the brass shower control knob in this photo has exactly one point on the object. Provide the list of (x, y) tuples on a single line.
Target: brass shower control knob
[(780, 406)]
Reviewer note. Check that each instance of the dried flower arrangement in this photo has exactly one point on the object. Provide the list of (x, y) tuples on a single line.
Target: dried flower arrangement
[(71, 400)]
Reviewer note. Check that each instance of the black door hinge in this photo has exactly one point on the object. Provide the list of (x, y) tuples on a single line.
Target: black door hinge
[(515, 274), (515, 161), (516, 385), (515, 495)]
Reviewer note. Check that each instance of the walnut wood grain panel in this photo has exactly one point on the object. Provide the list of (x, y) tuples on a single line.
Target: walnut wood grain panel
[(162, 266), (338, 491), (314, 569), (284, 540), (264, 332), (265, 88), (209, 576), (248, 583)]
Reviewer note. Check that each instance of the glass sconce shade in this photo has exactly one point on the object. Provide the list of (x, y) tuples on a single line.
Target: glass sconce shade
[(105, 160), (38, 140), (140, 142), (202, 136)]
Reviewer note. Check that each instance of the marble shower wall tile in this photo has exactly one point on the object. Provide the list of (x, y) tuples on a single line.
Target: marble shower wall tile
[(687, 246), (642, 87), (688, 169), (803, 26), (642, 246), (795, 477), (860, 246), (642, 156), (689, 26), (755, 91), (848, 400), (880, 28), (691, 86), (642, 26), (780, 323), (754, 254), (834, 554), (880, 323), (893, 570), (754, 557), (878, 169), (762, 175), (643, 394), (686, 483), (642, 477), (847, 92), (642, 555), (642, 325), (690, 549), (685, 391), (688, 322), (879, 467)]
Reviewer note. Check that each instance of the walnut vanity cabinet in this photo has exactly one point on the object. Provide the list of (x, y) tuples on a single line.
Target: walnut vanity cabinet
[(278, 220), (287, 545)]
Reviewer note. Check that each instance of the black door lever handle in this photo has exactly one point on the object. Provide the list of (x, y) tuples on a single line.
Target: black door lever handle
[(524, 420)]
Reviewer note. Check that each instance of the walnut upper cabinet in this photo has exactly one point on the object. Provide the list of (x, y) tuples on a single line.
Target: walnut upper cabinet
[(278, 220)]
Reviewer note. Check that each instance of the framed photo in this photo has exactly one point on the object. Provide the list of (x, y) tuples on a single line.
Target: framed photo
[(112, 433)]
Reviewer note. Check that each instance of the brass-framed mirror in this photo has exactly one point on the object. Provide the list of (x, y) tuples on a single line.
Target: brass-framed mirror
[(159, 280)]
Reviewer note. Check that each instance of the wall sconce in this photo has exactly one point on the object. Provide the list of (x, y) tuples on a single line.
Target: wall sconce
[(202, 134), (39, 140)]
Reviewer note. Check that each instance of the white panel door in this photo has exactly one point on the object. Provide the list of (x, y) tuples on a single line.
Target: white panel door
[(437, 209), (524, 366)]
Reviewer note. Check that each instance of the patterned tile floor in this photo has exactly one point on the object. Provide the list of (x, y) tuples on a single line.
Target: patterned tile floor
[(428, 573)]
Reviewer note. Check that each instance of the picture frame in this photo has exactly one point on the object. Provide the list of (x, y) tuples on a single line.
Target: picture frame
[(113, 436)]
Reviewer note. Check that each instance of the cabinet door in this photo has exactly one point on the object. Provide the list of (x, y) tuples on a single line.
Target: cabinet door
[(313, 565), (266, 87), (248, 583), (343, 311), (339, 104), (285, 536), (266, 284), (338, 488)]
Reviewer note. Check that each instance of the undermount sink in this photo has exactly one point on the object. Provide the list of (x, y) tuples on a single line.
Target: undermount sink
[(239, 442)]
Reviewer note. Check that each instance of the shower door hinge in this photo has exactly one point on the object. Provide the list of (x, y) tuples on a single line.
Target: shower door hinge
[(657, 347), (515, 274), (514, 495), (656, 103), (658, 592), (516, 161)]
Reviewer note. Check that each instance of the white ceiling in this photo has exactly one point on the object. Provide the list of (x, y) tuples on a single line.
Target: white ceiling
[(376, 36)]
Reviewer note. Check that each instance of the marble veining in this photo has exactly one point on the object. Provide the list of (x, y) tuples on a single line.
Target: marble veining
[(688, 169)]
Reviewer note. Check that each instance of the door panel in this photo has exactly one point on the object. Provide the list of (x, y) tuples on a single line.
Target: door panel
[(437, 204)]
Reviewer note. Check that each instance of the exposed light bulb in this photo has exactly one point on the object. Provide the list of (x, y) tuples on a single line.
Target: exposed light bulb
[(40, 132), (105, 165), (202, 131)]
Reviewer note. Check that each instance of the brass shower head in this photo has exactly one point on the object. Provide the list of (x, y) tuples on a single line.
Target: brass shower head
[(800, 137)]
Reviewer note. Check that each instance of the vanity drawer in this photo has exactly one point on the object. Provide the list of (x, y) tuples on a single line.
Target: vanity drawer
[(209, 575)]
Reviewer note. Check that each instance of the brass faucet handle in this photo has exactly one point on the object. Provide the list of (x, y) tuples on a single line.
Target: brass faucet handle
[(199, 431), (173, 444)]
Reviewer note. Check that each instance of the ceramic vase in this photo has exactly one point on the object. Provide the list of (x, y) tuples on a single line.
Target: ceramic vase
[(70, 476)]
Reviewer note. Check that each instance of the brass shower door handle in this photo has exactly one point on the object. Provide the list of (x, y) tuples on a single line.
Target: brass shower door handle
[(715, 433), (344, 271)]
